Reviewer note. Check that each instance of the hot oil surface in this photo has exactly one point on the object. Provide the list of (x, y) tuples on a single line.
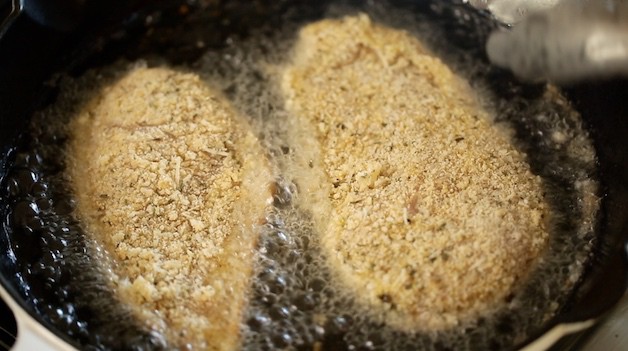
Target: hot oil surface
[(292, 301), (59, 271)]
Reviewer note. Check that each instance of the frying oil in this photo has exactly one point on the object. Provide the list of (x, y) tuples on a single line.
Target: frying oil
[(293, 302)]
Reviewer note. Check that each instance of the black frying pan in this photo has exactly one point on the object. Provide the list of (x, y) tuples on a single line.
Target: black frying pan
[(43, 260)]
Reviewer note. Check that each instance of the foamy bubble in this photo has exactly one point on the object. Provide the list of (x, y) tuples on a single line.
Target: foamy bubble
[(294, 301)]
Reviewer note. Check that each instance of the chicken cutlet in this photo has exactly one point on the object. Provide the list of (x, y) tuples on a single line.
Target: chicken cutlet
[(427, 212), (171, 182)]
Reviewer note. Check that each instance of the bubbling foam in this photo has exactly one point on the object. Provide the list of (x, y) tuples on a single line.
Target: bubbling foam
[(293, 300)]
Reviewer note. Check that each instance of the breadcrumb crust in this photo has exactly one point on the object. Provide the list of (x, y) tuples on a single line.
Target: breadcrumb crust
[(170, 182), (427, 212)]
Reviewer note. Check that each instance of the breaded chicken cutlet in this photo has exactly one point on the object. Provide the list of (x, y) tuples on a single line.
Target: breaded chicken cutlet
[(426, 211), (171, 182)]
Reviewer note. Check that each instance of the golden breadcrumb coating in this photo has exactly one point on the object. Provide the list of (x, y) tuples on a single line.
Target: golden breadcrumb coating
[(171, 182), (427, 212)]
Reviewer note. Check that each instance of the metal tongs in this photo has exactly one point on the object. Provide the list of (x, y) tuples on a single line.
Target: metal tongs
[(559, 40)]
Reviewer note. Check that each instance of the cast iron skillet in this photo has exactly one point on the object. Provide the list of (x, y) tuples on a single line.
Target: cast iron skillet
[(40, 38)]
